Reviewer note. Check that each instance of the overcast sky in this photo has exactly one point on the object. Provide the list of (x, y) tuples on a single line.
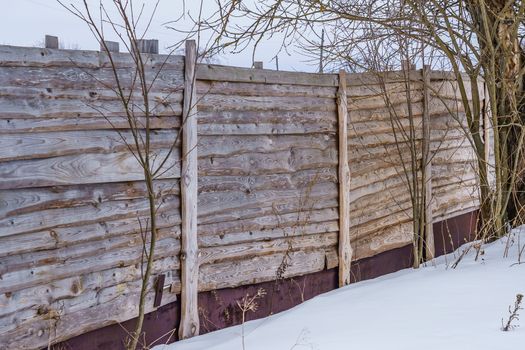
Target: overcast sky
[(26, 22)]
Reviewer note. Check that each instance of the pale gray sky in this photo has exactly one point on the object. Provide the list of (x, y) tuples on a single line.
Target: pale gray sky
[(25, 22)]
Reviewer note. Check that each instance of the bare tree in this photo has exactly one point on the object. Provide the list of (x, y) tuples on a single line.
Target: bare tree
[(139, 108)]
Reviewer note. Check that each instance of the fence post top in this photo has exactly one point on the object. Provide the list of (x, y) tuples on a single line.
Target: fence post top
[(51, 42)]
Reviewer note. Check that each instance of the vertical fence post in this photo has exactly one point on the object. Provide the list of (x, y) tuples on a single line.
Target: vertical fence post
[(189, 323), (345, 249), (427, 171), (51, 42), (111, 46)]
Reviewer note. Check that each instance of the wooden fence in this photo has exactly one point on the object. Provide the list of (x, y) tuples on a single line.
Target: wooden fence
[(271, 152)]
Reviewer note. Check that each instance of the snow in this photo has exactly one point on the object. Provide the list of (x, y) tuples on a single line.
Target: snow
[(435, 307)]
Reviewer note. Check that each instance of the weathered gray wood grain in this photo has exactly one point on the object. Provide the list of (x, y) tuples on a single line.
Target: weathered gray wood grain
[(344, 247), (254, 89), (31, 125), (102, 260), (244, 250), (264, 76), (259, 269), (35, 106), (79, 286), (82, 169), (189, 255), (55, 144)]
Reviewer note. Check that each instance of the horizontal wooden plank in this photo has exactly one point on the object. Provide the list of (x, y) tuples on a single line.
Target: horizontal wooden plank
[(306, 222), (380, 156), (442, 106), (385, 126), (102, 260), (466, 179), (59, 237), (54, 144), (385, 239), (231, 203), (393, 217), (82, 286), (372, 87), (388, 77), (233, 145), (305, 216), (302, 179), (265, 129), (450, 89), (369, 202), (318, 200), (24, 201), (365, 174), (399, 136), (83, 169), (440, 75), (253, 89), (90, 211), (366, 247), (259, 269), (265, 122), (465, 155), (267, 117), (30, 125), (457, 210), (287, 161), (390, 101), (81, 232), (382, 113), (60, 82), (15, 56), (394, 201), (234, 252), (31, 260), (250, 236), (263, 76), (118, 304), (220, 103)]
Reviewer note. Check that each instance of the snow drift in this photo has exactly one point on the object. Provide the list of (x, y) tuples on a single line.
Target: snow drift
[(435, 307)]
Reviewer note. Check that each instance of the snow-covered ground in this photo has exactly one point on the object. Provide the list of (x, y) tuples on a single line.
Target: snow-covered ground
[(435, 307)]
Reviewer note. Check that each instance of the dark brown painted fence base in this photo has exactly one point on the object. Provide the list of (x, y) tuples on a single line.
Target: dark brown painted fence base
[(218, 308), (452, 233)]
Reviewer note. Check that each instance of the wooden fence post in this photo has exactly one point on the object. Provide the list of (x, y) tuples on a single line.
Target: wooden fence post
[(427, 171), (189, 266), (148, 46), (112, 46), (51, 42), (345, 249)]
